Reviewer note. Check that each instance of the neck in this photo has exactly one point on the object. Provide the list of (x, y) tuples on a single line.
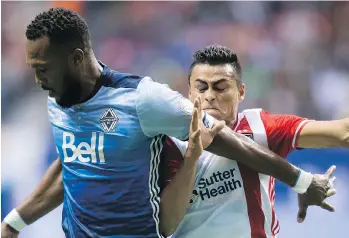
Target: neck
[(92, 73), (232, 123)]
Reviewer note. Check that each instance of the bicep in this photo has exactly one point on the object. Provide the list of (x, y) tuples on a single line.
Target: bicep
[(164, 111), (321, 134)]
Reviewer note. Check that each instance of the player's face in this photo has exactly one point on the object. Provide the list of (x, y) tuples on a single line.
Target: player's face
[(53, 71), (218, 88)]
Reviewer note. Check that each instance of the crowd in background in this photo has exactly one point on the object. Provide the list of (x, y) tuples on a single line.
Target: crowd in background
[(294, 55)]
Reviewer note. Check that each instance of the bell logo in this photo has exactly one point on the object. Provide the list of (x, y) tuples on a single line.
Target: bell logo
[(84, 151)]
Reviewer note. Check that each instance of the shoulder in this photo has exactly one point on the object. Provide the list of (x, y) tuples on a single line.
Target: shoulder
[(259, 114), (115, 79), (252, 112)]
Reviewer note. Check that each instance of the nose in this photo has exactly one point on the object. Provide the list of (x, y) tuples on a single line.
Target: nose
[(209, 96)]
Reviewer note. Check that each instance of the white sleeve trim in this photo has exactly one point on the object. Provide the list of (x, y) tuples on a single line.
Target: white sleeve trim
[(298, 131)]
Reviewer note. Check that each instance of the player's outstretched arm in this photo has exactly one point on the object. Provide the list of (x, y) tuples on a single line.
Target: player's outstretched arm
[(163, 111), (47, 196), (238, 147), (325, 134), (176, 196)]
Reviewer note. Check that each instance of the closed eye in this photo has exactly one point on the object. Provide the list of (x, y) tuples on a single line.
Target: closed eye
[(220, 89), (201, 89)]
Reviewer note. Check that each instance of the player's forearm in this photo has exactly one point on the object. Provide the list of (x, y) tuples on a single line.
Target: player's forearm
[(325, 134), (345, 138), (244, 150), (47, 196), (176, 197)]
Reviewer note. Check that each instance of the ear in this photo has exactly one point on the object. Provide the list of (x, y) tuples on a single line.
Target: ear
[(77, 57), (242, 92), (192, 95)]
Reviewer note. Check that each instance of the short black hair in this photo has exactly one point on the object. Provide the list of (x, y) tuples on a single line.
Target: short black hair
[(216, 55), (61, 26)]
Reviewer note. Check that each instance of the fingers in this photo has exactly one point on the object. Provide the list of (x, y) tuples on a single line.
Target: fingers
[(196, 103), (327, 206), (194, 125), (217, 127), (194, 139), (199, 107), (330, 171), (332, 180), (331, 192), (195, 136), (302, 213)]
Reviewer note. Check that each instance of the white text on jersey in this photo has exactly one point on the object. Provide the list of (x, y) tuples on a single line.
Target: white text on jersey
[(226, 182), (84, 151)]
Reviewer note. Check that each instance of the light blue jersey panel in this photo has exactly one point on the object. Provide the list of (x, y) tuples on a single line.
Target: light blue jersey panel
[(110, 149)]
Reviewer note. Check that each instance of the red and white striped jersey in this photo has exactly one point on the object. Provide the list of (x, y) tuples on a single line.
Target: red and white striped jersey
[(229, 199)]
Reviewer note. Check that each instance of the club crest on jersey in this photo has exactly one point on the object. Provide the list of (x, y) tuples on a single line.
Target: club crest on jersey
[(246, 133), (249, 135), (109, 120)]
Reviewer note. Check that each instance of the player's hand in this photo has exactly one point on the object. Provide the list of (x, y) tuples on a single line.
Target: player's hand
[(7, 231), (206, 134), (320, 189), (195, 147)]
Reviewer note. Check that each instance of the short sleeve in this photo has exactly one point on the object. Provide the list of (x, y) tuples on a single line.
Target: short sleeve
[(171, 162), (282, 131), (164, 111)]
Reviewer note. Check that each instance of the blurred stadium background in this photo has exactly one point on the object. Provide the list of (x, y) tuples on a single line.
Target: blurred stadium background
[(295, 58)]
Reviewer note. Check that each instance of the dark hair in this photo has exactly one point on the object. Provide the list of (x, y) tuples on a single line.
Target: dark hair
[(61, 26), (216, 55)]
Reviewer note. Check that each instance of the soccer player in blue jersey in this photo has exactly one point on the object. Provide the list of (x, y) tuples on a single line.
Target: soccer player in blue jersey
[(109, 130)]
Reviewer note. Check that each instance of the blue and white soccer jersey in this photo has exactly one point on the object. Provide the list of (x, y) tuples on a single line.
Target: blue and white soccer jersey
[(110, 150)]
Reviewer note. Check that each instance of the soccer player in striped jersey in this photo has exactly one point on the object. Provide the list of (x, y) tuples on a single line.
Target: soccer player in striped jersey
[(227, 199), (109, 128)]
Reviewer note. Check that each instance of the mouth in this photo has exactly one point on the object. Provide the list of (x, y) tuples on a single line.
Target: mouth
[(46, 88), (50, 91)]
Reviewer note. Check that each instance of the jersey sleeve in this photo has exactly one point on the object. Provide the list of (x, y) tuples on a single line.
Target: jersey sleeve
[(164, 111), (172, 159), (282, 131)]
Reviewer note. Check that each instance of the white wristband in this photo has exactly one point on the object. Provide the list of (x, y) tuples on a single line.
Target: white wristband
[(303, 182), (15, 220)]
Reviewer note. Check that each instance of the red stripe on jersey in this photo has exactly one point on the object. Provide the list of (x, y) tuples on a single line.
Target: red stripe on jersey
[(272, 221), (270, 188), (272, 198), (276, 228), (255, 212)]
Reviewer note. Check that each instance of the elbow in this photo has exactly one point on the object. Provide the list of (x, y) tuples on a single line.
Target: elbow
[(166, 228), (168, 223), (167, 232)]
